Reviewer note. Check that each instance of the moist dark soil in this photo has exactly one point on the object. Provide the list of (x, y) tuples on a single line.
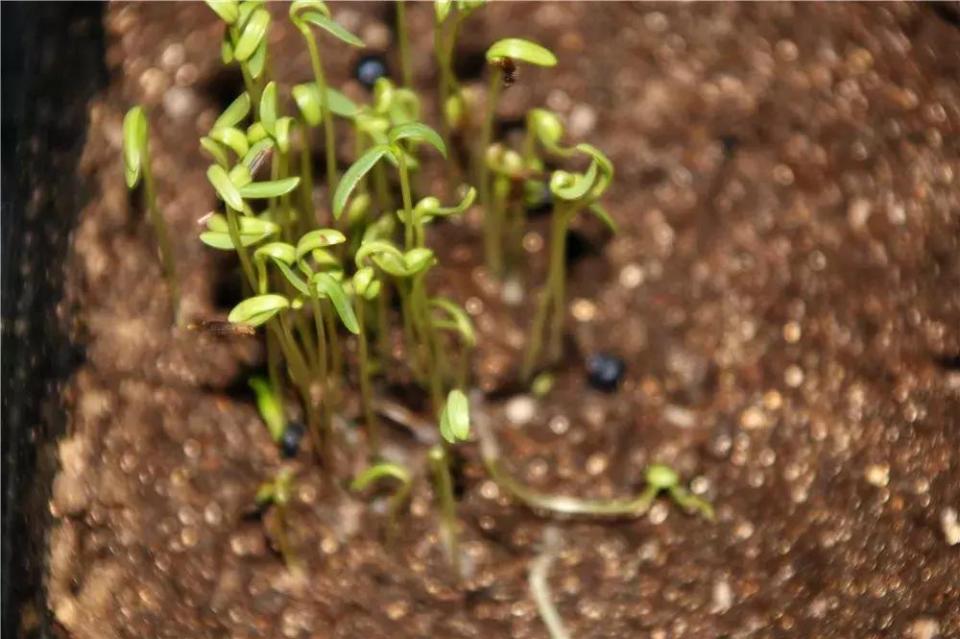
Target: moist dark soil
[(784, 290)]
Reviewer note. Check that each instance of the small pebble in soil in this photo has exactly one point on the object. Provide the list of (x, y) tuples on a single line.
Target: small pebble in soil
[(605, 371), (520, 410), (369, 69), (292, 436)]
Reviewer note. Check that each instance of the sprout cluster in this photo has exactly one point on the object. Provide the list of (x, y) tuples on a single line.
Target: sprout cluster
[(319, 276)]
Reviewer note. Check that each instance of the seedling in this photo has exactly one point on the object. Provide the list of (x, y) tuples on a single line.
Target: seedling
[(405, 64), (659, 479), (270, 407), (276, 493), (245, 40), (383, 471), (366, 287), (303, 14), (572, 192), (508, 173), (502, 57), (448, 17), (136, 164)]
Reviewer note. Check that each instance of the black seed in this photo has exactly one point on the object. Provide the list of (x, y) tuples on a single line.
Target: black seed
[(292, 437), (369, 69), (605, 371)]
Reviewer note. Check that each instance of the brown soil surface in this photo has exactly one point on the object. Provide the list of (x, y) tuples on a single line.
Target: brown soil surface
[(785, 291)]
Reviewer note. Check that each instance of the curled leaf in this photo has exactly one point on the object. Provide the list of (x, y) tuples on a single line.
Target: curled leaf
[(457, 320), (258, 310), (419, 132), (455, 418), (319, 238), (381, 470), (521, 50), (276, 251), (418, 260)]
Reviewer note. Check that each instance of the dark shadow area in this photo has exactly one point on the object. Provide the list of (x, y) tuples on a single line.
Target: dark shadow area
[(53, 62)]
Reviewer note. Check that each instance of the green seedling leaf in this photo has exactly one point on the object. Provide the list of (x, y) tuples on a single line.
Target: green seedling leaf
[(384, 254), (325, 262), (521, 50), (455, 418), (269, 189), (282, 133), (252, 231), (135, 134), (604, 216), (458, 320), (226, 10), (332, 27), (573, 186), (226, 49), (257, 132), (258, 61), (233, 138), (330, 288), (258, 310), (252, 34), (247, 7), (235, 113), (240, 176), (546, 125), (224, 186), (216, 151), (405, 107), (354, 174), (418, 260), (340, 104), (419, 132), (291, 276), (318, 239), (258, 152), (442, 9), (270, 407), (365, 283), (307, 97), (299, 6), (268, 107), (276, 252), (381, 470)]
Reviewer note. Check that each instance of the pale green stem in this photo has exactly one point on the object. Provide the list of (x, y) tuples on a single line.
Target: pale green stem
[(486, 137), (409, 236), (550, 291), (405, 64), (233, 228), (308, 219), (328, 131), (366, 392), (440, 464), (163, 240)]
